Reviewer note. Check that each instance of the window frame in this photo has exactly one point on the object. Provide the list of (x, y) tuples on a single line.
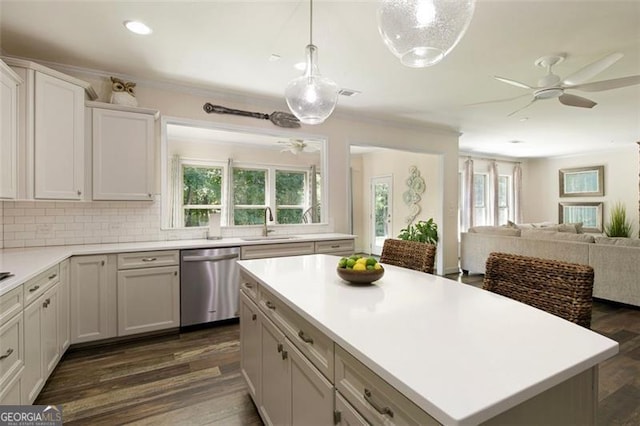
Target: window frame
[(197, 163)]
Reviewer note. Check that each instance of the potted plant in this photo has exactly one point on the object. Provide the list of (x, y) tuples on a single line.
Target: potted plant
[(618, 225), (422, 231)]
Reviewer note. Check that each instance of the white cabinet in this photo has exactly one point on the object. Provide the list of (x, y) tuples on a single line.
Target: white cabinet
[(59, 138), (123, 152), (336, 247), (11, 346), (93, 298), (64, 324), (250, 341), (9, 82), (261, 251), (50, 331)]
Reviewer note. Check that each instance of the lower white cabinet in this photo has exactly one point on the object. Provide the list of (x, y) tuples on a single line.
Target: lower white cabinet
[(148, 299), (64, 323), (250, 360), (93, 298), (346, 415), (11, 393)]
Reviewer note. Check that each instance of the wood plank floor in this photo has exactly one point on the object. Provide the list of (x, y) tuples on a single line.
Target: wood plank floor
[(193, 378)]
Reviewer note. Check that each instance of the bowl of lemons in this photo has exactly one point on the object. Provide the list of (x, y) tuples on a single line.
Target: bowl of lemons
[(359, 269)]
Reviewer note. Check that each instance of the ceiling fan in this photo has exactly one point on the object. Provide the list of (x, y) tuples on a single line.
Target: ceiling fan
[(552, 86), (296, 146)]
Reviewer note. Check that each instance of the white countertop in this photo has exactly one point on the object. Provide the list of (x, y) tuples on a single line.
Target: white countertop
[(460, 353), (26, 263)]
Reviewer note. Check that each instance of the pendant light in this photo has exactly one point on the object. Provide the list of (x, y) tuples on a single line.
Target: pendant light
[(311, 97), (422, 32)]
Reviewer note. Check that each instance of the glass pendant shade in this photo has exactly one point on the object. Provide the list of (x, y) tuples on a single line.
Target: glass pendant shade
[(311, 97), (422, 32)]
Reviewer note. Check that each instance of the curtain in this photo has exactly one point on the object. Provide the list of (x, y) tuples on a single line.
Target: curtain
[(467, 196), (494, 210), (227, 213), (314, 195), (175, 193), (517, 193)]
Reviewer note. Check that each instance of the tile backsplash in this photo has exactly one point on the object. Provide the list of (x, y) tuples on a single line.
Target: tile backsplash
[(54, 223)]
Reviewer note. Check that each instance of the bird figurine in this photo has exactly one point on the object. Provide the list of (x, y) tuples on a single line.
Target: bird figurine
[(122, 92)]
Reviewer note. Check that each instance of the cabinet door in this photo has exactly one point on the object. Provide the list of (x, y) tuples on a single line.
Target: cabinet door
[(11, 394), (275, 406), (346, 415), (93, 312), (123, 155), (64, 325), (148, 300), (250, 347), (33, 376), (59, 138), (8, 134), (49, 319)]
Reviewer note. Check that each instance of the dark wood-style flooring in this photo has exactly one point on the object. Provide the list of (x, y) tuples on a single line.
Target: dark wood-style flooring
[(193, 378)]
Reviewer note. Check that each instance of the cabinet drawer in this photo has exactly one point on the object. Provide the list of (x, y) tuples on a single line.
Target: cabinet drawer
[(335, 246), (276, 250), (38, 285), (346, 415), (314, 344), (148, 259), (10, 393), (249, 286), (11, 303), (11, 349), (377, 401)]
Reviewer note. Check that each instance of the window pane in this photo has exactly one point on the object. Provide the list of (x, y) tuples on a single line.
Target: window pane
[(479, 185), (289, 215), (289, 189), (248, 216), (503, 191), (196, 217), (202, 185), (249, 187)]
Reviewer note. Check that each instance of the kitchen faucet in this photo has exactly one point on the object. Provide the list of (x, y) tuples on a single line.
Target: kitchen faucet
[(265, 231)]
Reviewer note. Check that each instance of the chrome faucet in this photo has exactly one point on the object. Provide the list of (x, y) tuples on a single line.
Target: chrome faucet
[(265, 231)]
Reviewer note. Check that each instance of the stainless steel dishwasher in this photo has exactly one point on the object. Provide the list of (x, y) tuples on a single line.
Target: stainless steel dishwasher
[(209, 285)]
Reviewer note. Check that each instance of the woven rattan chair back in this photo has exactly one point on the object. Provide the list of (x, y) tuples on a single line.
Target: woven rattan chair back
[(409, 254), (560, 288)]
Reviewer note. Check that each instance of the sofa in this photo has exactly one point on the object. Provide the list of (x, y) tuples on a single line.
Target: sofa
[(615, 261)]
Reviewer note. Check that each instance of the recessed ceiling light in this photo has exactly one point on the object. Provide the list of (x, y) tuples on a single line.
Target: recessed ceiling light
[(137, 27), (274, 57), (516, 141), (524, 118)]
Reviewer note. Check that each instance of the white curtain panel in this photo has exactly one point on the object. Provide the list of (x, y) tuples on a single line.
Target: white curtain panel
[(175, 194), (493, 193), (467, 196), (517, 193)]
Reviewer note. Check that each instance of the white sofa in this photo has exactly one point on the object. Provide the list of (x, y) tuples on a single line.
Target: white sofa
[(616, 262)]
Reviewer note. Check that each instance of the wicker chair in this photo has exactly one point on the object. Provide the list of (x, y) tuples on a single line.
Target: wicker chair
[(560, 288), (409, 254)]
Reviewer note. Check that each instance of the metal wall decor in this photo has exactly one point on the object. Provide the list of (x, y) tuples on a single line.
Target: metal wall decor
[(412, 196), (279, 118)]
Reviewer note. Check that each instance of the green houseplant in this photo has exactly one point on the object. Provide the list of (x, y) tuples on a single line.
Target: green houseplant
[(618, 225), (422, 231)]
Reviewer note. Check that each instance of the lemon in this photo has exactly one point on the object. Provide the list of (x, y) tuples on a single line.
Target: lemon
[(359, 267), (377, 266), (362, 260)]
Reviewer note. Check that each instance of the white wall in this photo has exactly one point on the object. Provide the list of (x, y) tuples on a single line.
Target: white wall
[(541, 183)]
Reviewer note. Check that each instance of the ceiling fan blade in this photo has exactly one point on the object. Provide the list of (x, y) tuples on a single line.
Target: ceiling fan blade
[(576, 101), (591, 70), (599, 86), (512, 82), (498, 100), (526, 106)]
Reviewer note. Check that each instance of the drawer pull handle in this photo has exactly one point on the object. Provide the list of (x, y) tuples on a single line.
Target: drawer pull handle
[(52, 276), (280, 347), (382, 410), (305, 338), (149, 259), (285, 355), (248, 285), (270, 305), (6, 354), (335, 246), (32, 289), (254, 317)]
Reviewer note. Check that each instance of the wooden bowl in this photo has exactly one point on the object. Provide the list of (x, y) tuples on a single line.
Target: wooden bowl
[(360, 277)]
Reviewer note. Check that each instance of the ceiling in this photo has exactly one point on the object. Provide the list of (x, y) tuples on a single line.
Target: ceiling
[(226, 45)]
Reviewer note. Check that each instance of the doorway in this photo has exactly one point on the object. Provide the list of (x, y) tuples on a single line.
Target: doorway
[(381, 197)]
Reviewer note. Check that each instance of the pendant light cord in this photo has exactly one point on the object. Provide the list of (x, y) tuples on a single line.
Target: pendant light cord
[(310, 21)]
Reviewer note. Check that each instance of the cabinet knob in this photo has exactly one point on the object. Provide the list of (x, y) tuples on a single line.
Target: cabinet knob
[(6, 354), (149, 194), (46, 303), (285, 354), (79, 192), (102, 263), (254, 317), (280, 347)]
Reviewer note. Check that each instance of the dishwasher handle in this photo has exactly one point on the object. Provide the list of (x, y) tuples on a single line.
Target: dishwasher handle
[(216, 258)]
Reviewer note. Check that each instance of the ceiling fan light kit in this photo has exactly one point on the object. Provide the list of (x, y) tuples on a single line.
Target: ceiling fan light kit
[(311, 97), (422, 32)]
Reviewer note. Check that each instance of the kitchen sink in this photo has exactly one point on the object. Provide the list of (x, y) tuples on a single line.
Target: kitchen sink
[(269, 238)]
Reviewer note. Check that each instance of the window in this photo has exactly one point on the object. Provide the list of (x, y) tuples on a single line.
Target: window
[(249, 196), (201, 192), (480, 198), (504, 199), (290, 196)]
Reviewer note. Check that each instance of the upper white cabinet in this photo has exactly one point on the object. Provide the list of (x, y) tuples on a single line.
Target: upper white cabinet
[(123, 151), (9, 82), (50, 133)]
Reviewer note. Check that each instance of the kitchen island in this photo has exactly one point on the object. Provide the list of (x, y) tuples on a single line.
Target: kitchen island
[(453, 353)]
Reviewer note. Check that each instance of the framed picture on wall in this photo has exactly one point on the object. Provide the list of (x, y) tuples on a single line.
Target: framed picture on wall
[(582, 182), (590, 214)]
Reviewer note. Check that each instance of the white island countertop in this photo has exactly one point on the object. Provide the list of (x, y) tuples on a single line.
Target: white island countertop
[(26, 263), (462, 354)]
